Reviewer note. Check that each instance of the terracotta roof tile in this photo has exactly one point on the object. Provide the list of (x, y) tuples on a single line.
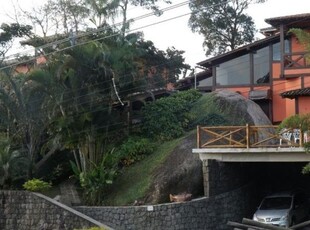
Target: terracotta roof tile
[(296, 93)]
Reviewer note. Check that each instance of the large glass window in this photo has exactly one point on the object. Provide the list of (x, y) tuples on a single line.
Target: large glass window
[(206, 82), (234, 72), (277, 50), (261, 66)]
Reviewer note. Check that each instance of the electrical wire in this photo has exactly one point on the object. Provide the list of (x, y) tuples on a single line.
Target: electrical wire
[(165, 20), (98, 30), (116, 124), (165, 63), (110, 36)]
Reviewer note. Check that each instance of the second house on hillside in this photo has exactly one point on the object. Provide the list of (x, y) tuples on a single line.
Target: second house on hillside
[(274, 71)]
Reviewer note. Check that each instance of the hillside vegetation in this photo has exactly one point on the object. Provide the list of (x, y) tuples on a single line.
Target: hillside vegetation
[(167, 169)]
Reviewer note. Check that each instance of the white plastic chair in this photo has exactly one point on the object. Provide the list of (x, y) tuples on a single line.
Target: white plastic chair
[(285, 135), (296, 135), (306, 136)]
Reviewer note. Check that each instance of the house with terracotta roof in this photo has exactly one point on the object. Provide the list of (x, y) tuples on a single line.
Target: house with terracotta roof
[(274, 71)]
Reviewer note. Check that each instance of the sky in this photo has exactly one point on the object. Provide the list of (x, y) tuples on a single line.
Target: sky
[(171, 29)]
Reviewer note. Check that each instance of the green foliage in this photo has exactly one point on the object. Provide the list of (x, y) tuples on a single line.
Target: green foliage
[(92, 228), (22, 114), (306, 169), (138, 64), (9, 32), (36, 185), (13, 168), (135, 180), (135, 149), (303, 37), (95, 181), (224, 24), (168, 118), (307, 146), (298, 121)]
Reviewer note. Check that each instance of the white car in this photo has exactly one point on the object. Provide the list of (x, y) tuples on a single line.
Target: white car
[(283, 209)]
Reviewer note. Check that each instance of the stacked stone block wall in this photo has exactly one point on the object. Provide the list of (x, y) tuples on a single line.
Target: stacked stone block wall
[(21, 210), (220, 177), (205, 213)]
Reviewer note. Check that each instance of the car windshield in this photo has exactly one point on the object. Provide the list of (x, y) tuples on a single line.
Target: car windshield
[(272, 203)]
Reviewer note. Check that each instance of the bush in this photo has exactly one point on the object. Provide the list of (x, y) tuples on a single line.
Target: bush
[(135, 149), (167, 118), (296, 122), (36, 185), (95, 181)]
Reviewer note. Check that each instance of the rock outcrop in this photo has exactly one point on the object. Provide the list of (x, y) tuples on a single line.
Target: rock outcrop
[(241, 107), (182, 170)]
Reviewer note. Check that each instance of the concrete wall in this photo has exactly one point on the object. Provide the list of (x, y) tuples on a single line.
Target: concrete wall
[(206, 213), (21, 210)]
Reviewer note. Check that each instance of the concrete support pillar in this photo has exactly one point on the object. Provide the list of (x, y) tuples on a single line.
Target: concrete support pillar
[(206, 177)]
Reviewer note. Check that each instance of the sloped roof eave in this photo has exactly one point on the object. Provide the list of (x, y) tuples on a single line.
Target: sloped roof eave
[(244, 49), (290, 20)]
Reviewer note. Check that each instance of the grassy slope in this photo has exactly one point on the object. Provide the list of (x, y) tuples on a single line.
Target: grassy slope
[(134, 181)]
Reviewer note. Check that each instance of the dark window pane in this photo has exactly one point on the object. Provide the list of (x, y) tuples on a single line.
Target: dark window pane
[(261, 66), (206, 82), (234, 72), (276, 50), (275, 203)]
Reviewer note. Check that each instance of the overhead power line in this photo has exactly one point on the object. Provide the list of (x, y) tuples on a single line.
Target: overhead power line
[(98, 30), (110, 36)]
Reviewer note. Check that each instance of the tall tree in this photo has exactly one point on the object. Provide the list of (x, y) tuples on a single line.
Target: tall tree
[(223, 23), (57, 16), (139, 66), (22, 115), (72, 14), (104, 10), (80, 93), (7, 34)]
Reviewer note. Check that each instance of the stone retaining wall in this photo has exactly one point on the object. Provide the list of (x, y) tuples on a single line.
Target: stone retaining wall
[(221, 177), (21, 210), (206, 213)]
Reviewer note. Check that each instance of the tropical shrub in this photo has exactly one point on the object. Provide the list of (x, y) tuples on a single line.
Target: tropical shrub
[(13, 164), (96, 180), (134, 149), (168, 118), (298, 121), (36, 185)]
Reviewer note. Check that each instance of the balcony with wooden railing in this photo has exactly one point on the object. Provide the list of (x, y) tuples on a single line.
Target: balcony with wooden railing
[(262, 136), (259, 143), (296, 64)]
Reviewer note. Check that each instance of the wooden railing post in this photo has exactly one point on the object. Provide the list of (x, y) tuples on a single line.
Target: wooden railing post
[(198, 136), (247, 136), (301, 137)]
